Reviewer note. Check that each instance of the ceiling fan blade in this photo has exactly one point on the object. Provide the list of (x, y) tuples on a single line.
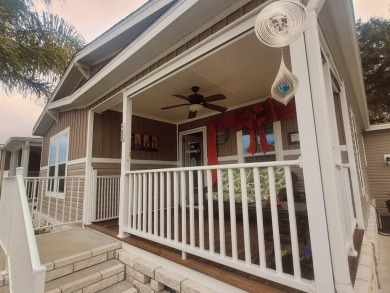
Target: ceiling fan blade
[(214, 98), (214, 107), (191, 114), (183, 97), (170, 107)]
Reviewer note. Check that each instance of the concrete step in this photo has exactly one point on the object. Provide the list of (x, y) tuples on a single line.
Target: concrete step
[(90, 279), (121, 287)]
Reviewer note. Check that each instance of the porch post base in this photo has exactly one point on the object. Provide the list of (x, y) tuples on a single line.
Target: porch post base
[(344, 288), (123, 234)]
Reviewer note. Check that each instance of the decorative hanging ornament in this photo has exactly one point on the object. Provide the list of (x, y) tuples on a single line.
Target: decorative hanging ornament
[(281, 23), (285, 85)]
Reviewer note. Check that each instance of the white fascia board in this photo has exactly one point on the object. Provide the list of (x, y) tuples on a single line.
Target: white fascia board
[(136, 45), (143, 12), (241, 26)]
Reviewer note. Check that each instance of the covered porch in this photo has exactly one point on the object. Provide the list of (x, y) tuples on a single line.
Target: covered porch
[(195, 209)]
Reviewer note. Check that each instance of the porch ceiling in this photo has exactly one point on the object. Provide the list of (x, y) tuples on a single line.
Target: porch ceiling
[(243, 70)]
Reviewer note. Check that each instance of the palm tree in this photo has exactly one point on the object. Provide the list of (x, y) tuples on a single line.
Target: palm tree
[(35, 49)]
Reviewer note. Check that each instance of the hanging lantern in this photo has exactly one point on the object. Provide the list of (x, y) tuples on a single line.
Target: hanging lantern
[(281, 23), (285, 85)]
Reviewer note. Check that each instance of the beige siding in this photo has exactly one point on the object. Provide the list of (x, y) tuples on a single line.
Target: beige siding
[(166, 135), (377, 145), (107, 135), (74, 196), (105, 169), (76, 120)]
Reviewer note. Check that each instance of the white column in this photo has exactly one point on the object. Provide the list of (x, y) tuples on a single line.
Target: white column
[(88, 194), (25, 157), (311, 171), (326, 155), (351, 159), (125, 165)]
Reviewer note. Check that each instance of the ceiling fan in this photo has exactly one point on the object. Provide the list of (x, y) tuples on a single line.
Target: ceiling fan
[(197, 102)]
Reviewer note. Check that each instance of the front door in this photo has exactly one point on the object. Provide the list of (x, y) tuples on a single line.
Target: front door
[(192, 153)]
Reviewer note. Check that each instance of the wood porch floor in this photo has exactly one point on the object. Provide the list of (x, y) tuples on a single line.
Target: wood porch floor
[(228, 275)]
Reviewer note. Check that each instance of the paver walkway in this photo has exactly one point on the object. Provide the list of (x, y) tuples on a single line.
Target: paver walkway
[(384, 260)]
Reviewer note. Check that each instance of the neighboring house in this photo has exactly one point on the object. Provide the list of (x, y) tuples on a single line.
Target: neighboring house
[(187, 178), (377, 150), (21, 152)]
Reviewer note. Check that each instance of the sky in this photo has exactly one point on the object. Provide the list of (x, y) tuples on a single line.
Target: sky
[(91, 18)]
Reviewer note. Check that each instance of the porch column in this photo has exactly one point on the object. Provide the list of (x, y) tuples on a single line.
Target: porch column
[(88, 212), (323, 129), (125, 164), (319, 237), (351, 158), (25, 158)]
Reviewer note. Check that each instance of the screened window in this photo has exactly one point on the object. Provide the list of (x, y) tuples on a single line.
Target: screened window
[(259, 156), (58, 158)]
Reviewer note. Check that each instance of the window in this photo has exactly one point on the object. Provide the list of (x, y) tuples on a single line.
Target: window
[(259, 156), (58, 158)]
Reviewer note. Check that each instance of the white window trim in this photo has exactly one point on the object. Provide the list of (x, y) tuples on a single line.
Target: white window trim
[(56, 194), (278, 152)]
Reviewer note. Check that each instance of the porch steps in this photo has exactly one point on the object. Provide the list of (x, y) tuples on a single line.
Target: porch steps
[(121, 287), (91, 279)]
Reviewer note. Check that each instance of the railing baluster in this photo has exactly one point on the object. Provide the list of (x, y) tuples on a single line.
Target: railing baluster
[(210, 208), (275, 220), (233, 222), (176, 205), (245, 216), (169, 205), (71, 199), (200, 210), (150, 203), (144, 203), (77, 199), (162, 205), (293, 223), (192, 206), (130, 195), (139, 195), (221, 218), (259, 218), (135, 201), (155, 213), (183, 208)]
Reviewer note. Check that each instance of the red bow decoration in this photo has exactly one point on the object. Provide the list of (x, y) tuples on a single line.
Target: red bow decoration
[(254, 119)]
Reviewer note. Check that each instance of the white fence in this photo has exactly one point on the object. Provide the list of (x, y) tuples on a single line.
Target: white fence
[(18, 240), (106, 197), (55, 201), (183, 209)]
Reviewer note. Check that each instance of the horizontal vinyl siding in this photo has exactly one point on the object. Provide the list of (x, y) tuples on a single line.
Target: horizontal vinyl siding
[(377, 144)]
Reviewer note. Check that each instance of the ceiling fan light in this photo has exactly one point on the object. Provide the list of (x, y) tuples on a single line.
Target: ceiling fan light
[(195, 107)]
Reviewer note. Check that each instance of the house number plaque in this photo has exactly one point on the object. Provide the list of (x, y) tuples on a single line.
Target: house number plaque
[(222, 136)]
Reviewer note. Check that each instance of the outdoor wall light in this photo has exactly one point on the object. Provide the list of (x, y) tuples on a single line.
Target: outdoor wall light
[(387, 159)]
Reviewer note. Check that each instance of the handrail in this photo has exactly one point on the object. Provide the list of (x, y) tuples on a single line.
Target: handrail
[(26, 271), (226, 166)]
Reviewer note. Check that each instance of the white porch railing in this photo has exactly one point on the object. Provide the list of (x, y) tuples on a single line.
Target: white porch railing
[(161, 206), (18, 240), (55, 201), (347, 206), (106, 197)]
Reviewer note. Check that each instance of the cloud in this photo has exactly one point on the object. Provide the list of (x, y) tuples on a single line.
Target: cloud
[(17, 116)]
